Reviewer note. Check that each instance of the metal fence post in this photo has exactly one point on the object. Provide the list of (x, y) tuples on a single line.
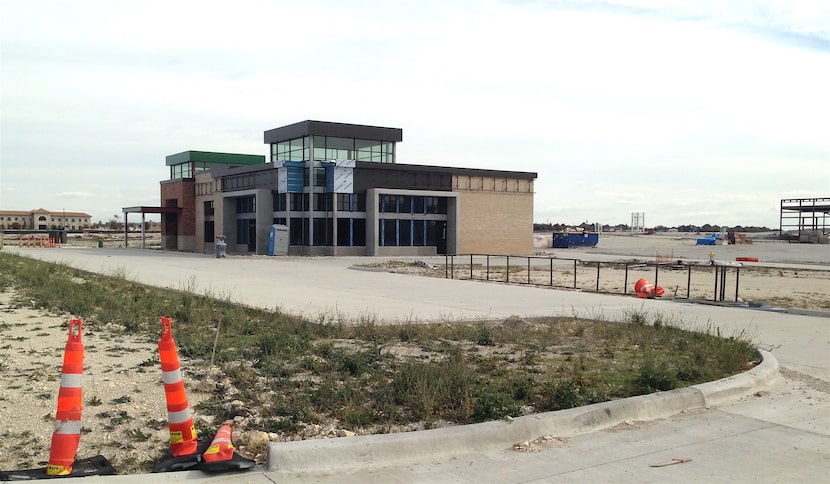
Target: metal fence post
[(656, 272), (723, 284), (689, 283), (551, 272), (737, 281), (625, 283), (574, 273)]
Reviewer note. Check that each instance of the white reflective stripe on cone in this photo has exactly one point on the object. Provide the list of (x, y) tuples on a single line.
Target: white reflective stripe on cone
[(181, 416), (67, 427), (220, 440), (170, 377), (71, 380)]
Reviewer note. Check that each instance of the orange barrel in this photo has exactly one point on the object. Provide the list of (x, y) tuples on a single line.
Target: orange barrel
[(183, 437), (67, 433), (221, 447)]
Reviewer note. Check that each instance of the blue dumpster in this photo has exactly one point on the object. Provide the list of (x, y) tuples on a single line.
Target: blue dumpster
[(566, 240)]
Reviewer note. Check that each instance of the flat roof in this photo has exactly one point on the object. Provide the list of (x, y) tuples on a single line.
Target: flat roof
[(213, 157), (369, 165), (326, 128), (143, 209)]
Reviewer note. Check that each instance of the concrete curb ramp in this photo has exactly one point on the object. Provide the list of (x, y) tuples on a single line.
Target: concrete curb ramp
[(386, 450)]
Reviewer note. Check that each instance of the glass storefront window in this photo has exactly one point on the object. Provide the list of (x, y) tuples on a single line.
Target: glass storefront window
[(405, 232), (388, 232), (405, 204), (344, 203), (389, 203), (436, 205)]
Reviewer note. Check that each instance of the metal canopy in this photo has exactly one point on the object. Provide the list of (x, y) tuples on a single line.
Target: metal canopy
[(142, 210)]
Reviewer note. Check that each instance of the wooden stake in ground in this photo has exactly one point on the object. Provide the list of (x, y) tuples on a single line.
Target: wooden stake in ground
[(216, 339)]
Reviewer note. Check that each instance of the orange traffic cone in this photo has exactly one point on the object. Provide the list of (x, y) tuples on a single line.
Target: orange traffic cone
[(221, 447), (67, 433), (645, 289), (183, 437)]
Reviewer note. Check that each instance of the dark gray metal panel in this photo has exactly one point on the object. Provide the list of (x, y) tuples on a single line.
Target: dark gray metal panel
[(340, 130), (386, 175), (525, 175)]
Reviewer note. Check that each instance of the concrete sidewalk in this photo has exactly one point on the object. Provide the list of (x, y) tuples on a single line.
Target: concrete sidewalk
[(781, 434)]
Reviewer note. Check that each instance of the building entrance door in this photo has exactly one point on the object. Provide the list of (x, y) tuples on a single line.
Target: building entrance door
[(170, 231), (437, 235), (252, 237)]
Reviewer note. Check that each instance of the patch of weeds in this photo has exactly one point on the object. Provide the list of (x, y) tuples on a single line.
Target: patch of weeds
[(115, 419), (137, 435), (636, 317), (484, 335), (655, 376), (153, 361), (492, 403), (124, 399), (358, 362), (155, 424), (358, 417), (287, 425), (560, 395)]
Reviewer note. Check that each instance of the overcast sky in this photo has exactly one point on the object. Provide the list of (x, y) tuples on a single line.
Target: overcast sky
[(691, 111)]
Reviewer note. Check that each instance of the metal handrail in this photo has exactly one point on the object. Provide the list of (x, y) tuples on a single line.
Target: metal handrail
[(720, 272)]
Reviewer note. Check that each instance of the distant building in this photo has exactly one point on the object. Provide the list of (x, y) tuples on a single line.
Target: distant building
[(339, 190), (41, 219)]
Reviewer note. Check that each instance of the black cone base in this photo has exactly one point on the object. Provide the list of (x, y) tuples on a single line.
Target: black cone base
[(194, 462), (94, 466)]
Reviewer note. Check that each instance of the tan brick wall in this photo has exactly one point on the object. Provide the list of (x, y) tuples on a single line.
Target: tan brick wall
[(496, 215), (207, 188)]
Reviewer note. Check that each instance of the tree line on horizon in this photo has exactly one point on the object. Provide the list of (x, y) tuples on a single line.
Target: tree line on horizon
[(590, 227)]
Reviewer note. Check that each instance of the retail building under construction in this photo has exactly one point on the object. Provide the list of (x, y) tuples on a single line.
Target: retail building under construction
[(337, 189)]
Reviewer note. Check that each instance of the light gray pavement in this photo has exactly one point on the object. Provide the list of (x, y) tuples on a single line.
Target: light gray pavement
[(782, 435)]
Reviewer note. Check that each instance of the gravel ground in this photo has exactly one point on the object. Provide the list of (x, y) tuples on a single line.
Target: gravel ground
[(124, 415)]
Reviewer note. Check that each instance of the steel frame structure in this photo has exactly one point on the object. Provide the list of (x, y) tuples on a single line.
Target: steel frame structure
[(804, 215)]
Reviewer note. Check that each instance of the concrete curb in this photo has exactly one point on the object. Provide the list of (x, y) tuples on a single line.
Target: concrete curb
[(406, 447), (734, 387)]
